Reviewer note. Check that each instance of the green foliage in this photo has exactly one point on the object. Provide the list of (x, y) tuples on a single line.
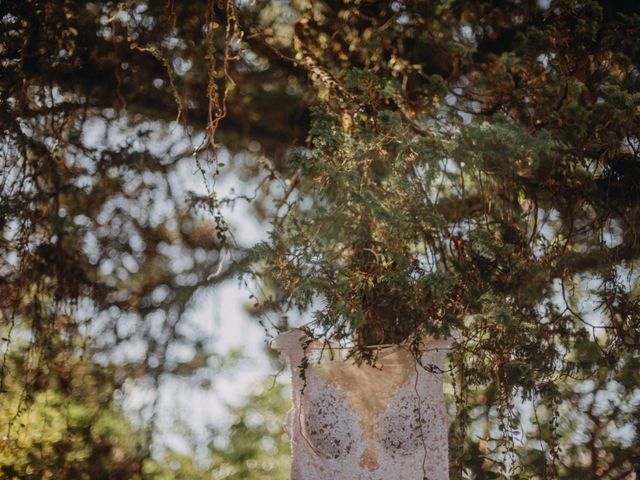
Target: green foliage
[(256, 446), (466, 171), (61, 438), (425, 165), (103, 249), (81, 438)]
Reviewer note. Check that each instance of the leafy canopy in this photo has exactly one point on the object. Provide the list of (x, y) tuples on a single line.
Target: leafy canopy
[(424, 165)]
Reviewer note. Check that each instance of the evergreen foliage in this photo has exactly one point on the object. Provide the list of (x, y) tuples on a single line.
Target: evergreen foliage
[(426, 165), (472, 166)]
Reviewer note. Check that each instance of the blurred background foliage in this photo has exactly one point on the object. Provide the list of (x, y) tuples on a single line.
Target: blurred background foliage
[(420, 166)]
